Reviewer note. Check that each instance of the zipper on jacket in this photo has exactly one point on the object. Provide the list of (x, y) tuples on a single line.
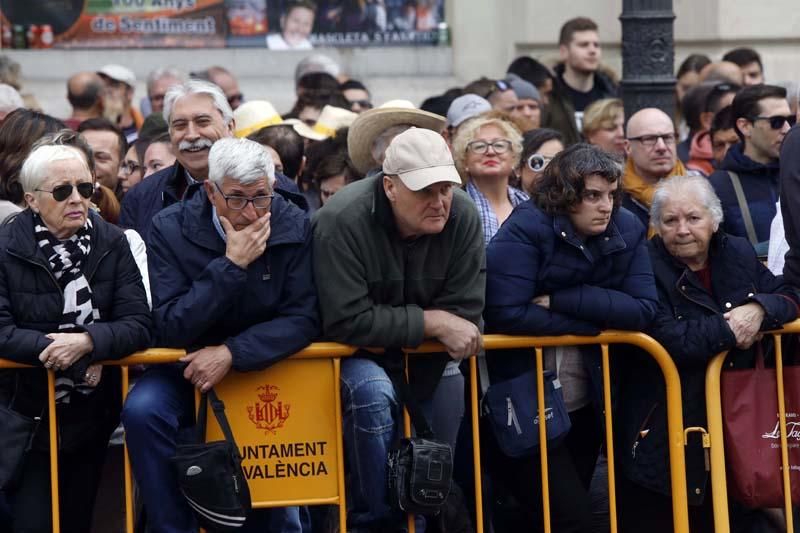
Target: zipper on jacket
[(642, 429), (679, 284)]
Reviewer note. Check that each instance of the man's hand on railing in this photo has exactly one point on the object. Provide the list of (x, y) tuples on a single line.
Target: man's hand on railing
[(207, 366), (460, 337)]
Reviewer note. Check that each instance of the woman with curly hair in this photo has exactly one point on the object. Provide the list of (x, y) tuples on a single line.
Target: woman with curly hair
[(571, 261)]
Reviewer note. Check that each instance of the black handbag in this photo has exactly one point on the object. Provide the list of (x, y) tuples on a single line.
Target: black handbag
[(420, 468), (210, 474), (16, 438)]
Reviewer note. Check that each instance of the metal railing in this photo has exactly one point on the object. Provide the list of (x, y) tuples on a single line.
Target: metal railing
[(325, 350), (719, 483)]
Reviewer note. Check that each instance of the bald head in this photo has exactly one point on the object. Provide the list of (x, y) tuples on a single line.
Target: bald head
[(725, 71), (657, 119), (651, 144), (83, 91)]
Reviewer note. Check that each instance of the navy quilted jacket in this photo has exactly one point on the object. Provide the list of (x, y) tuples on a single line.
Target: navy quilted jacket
[(603, 282)]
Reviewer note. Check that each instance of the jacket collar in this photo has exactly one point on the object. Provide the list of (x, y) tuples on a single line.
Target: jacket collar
[(668, 266), (606, 243), (736, 161), (601, 80), (22, 241), (286, 224)]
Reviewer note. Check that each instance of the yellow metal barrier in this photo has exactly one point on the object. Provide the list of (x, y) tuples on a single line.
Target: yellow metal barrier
[(719, 483), (491, 342)]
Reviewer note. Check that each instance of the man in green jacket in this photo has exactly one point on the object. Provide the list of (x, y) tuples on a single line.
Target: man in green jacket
[(398, 258)]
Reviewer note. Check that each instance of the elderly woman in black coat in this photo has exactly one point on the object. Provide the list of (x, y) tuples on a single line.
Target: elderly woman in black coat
[(71, 296), (714, 295)]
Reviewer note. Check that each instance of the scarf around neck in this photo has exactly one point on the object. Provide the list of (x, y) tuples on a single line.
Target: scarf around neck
[(642, 191), (66, 259)]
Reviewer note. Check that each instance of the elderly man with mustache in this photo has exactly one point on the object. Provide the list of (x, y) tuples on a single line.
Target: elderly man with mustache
[(198, 115)]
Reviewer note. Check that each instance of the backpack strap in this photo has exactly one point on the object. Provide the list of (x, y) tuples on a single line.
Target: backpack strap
[(744, 208)]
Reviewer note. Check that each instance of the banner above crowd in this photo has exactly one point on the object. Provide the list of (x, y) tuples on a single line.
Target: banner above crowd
[(274, 24)]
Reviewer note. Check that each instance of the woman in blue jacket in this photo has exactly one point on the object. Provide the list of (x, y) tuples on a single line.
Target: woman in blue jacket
[(713, 295), (570, 261)]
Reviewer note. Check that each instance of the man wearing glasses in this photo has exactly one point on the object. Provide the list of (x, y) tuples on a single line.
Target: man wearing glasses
[(747, 181), (652, 156), (219, 295)]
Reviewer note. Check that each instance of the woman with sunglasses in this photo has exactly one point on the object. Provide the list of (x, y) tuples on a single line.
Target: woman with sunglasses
[(71, 296), (539, 147), (486, 151)]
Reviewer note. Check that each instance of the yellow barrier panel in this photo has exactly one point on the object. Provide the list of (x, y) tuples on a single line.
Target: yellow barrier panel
[(719, 483), (327, 487), (674, 414)]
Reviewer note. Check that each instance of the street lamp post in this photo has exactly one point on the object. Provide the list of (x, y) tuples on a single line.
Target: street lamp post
[(648, 55)]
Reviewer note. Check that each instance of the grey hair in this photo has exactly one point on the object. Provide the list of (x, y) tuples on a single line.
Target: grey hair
[(382, 141), (316, 63), (34, 169), (187, 88), (165, 72), (241, 160), (9, 98), (693, 186)]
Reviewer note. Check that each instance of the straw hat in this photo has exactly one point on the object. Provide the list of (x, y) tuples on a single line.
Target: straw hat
[(253, 115), (370, 124), (331, 118)]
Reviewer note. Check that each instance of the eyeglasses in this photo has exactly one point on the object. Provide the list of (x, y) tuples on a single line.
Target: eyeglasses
[(776, 122), (129, 167), (363, 104), (239, 203), (538, 162), (649, 141), (500, 146), (62, 192)]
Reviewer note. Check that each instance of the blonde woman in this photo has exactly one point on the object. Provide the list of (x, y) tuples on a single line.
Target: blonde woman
[(486, 151)]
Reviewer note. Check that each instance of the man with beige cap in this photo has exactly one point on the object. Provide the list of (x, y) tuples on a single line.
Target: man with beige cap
[(398, 258)]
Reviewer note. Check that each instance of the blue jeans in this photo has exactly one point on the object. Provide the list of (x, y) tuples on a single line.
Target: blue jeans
[(371, 423), (157, 408)]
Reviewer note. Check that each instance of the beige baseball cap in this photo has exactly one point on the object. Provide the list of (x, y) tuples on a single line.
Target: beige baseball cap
[(420, 157)]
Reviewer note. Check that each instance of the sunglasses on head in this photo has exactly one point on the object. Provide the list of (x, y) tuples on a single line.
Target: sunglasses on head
[(62, 192), (776, 122), (499, 85)]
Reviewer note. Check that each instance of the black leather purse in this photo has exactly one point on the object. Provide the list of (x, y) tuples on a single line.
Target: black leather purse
[(210, 474), (16, 439), (420, 468)]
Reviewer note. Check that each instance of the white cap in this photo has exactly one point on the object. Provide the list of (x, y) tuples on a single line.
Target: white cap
[(420, 157), (118, 73)]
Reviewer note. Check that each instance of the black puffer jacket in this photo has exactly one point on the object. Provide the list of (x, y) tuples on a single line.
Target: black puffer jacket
[(31, 304), (690, 325)]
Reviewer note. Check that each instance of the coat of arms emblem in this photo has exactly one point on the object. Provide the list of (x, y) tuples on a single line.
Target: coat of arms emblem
[(270, 413)]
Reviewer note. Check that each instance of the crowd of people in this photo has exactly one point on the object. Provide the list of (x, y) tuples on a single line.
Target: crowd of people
[(526, 205)]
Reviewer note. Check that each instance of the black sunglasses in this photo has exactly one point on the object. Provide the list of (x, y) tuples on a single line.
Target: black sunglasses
[(62, 192), (776, 122)]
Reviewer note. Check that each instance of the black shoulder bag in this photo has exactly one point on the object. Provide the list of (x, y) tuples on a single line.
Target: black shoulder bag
[(16, 438), (420, 468), (210, 474)]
